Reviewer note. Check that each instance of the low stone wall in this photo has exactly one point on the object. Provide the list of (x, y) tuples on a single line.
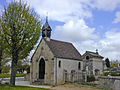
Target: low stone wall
[(112, 82), (75, 77), (27, 77)]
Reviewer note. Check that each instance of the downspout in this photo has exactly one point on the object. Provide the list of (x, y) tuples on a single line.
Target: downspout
[(55, 71)]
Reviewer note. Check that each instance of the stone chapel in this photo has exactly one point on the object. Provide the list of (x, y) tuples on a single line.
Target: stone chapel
[(53, 58)]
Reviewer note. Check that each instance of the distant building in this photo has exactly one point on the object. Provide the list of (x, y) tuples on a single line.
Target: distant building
[(92, 63), (52, 59)]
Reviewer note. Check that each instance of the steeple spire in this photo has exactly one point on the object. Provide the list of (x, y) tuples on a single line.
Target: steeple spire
[(97, 51), (46, 29)]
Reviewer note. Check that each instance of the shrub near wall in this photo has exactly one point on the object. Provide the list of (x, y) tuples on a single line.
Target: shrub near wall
[(90, 78), (106, 73), (115, 74), (8, 75), (111, 73)]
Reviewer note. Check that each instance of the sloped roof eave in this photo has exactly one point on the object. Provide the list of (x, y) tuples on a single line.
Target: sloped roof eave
[(69, 58), (75, 50)]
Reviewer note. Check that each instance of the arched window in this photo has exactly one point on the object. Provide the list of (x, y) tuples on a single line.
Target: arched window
[(87, 57), (79, 66), (59, 64), (41, 68)]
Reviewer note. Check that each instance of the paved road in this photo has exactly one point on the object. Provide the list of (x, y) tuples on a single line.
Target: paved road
[(20, 82), (8, 79)]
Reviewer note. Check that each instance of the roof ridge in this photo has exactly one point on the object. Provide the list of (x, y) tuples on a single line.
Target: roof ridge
[(90, 51), (61, 41)]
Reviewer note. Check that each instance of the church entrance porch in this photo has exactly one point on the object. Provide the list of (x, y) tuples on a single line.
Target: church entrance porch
[(41, 69)]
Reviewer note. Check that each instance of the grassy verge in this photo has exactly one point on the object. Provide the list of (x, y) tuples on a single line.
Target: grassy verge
[(5, 87), (91, 86), (8, 75)]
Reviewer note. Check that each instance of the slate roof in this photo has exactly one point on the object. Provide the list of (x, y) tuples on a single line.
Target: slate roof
[(94, 54), (63, 49)]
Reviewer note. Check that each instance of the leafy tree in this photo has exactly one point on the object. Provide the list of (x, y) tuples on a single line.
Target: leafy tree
[(20, 66), (21, 29), (26, 65), (107, 62), (1, 48), (116, 65), (27, 68), (23, 65), (5, 69)]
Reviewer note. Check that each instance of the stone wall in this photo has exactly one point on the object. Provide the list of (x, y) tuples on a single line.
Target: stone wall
[(43, 51), (112, 82), (67, 65), (27, 77), (92, 64), (97, 64)]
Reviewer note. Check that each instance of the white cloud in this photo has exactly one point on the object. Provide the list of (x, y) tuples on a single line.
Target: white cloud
[(1, 9), (74, 31), (65, 10), (9, 1), (117, 19), (108, 47), (111, 45), (62, 10), (107, 5)]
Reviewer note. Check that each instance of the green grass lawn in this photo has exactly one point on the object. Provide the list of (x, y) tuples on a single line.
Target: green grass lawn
[(90, 86), (8, 75), (5, 87)]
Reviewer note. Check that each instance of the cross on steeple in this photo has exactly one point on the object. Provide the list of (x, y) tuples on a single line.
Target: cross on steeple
[(47, 17)]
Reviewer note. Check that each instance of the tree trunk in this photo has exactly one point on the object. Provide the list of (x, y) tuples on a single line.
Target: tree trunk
[(1, 50), (13, 67), (13, 71)]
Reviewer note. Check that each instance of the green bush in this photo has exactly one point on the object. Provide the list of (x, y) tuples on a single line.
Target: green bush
[(115, 74), (19, 75), (8, 75), (111, 73), (106, 73), (27, 69), (90, 78)]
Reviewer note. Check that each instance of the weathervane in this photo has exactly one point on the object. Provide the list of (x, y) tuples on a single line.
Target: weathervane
[(97, 51)]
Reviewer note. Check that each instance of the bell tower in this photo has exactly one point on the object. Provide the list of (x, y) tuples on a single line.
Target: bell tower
[(46, 30)]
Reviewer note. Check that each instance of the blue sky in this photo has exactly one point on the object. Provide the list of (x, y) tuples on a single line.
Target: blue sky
[(88, 24)]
